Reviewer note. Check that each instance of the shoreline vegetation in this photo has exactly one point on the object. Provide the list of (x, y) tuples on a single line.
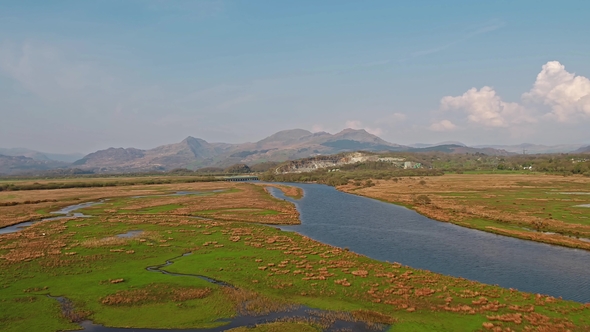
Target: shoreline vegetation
[(541, 208), (289, 191), (99, 264)]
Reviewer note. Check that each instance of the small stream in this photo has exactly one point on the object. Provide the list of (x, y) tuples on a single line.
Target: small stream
[(66, 212), (334, 321), (69, 211)]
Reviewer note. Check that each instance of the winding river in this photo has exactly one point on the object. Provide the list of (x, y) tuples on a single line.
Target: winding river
[(389, 232)]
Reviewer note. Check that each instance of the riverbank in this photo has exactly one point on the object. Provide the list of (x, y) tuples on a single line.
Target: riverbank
[(541, 208), (99, 263)]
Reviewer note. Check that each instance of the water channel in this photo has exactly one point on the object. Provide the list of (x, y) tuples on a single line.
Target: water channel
[(66, 212), (389, 232)]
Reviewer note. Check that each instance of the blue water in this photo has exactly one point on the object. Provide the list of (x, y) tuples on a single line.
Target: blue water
[(393, 233), (67, 212)]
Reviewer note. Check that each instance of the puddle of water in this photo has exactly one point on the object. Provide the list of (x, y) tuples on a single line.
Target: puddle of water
[(552, 233), (583, 205), (571, 193), (131, 233)]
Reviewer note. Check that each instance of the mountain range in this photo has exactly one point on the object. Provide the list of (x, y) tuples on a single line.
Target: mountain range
[(194, 153)]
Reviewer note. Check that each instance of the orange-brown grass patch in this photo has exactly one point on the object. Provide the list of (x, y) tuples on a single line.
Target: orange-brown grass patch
[(223, 205), (373, 316), (251, 303), (289, 191), (155, 293), (31, 244), (52, 200)]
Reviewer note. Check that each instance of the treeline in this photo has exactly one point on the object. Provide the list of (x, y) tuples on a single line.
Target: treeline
[(239, 168), (565, 164), (80, 184), (343, 176)]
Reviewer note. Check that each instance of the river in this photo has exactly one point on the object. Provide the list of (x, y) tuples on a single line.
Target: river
[(389, 232), (393, 233)]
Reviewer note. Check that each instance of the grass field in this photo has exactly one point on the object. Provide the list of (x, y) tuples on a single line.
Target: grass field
[(105, 275), (543, 208)]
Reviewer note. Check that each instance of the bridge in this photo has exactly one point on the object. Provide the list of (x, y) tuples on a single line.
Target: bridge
[(241, 178)]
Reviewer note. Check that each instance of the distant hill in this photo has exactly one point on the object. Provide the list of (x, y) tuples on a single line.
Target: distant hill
[(197, 153), (460, 149), (19, 164), (535, 148), (43, 156), (585, 149), (422, 145)]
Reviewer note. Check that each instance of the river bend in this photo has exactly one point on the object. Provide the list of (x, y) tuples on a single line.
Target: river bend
[(389, 232)]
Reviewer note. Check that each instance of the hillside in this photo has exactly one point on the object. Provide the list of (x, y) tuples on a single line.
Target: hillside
[(18, 164), (530, 148), (197, 153), (585, 149), (42, 156)]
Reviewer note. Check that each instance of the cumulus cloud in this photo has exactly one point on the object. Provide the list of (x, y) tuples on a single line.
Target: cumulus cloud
[(444, 125), (316, 128), (556, 94), (567, 94), (486, 108)]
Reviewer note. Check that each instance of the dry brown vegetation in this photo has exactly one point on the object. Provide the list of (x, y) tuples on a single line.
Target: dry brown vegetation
[(36, 204), (155, 293), (508, 201), (289, 191)]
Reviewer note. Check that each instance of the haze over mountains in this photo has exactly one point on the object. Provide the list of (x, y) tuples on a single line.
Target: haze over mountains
[(194, 153)]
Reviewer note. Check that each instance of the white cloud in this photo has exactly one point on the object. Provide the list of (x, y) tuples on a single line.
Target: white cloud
[(355, 124), (566, 94), (486, 108), (316, 128), (444, 125)]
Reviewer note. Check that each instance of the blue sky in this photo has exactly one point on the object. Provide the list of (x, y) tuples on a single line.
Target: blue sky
[(86, 75)]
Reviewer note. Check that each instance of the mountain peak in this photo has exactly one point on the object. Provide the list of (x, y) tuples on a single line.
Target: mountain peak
[(350, 130), (285, 136)]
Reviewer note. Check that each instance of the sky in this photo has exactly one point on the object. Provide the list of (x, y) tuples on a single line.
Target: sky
[(78, 76)]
